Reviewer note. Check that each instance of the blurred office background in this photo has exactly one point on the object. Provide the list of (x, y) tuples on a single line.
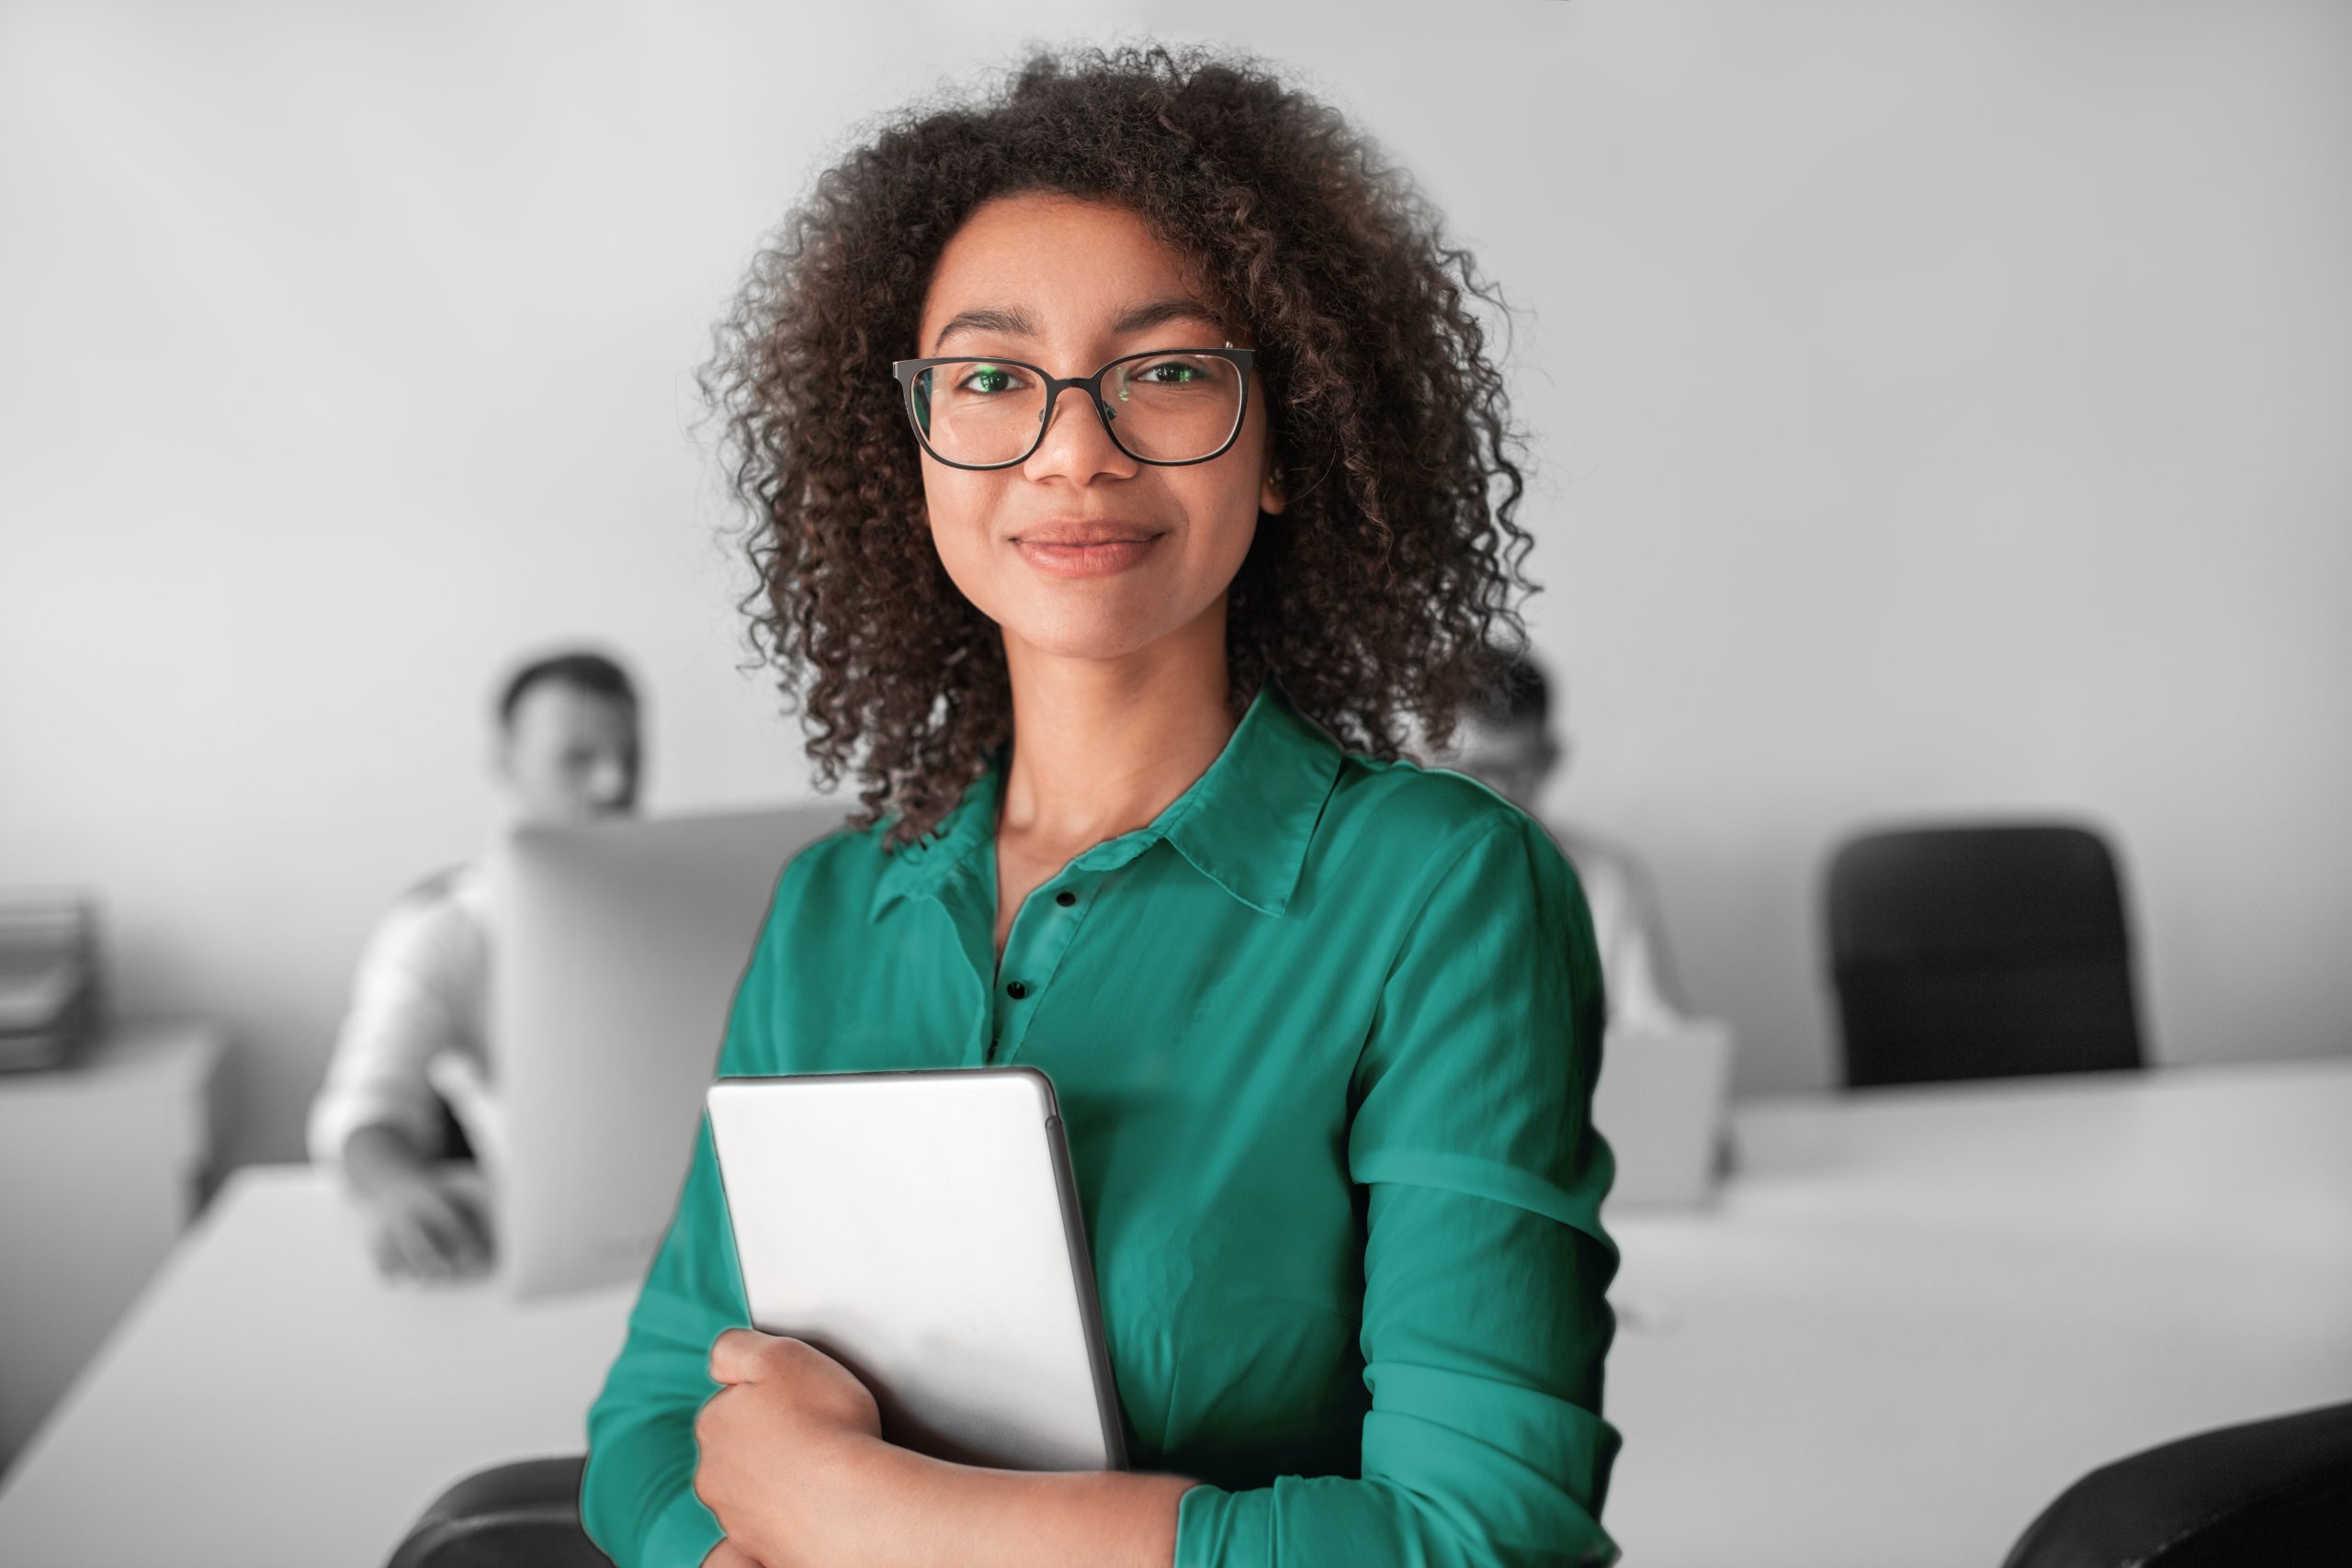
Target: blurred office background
[(1938, 408)]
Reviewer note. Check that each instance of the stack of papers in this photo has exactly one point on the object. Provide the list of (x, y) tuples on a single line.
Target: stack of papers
[(48, 979)]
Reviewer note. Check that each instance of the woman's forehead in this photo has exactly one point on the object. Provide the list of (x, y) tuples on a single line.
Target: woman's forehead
[(1049, 267)]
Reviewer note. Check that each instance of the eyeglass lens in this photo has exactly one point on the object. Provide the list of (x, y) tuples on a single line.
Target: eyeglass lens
[(1164, 408)]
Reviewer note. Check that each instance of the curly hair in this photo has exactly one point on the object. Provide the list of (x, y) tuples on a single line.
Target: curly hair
[(1381, 593)]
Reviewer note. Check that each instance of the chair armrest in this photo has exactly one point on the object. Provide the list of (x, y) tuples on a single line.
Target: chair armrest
[(521, 1515)]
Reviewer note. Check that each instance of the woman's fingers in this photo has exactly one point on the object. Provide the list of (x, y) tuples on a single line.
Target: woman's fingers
[(726, 1554), (737, 1355)]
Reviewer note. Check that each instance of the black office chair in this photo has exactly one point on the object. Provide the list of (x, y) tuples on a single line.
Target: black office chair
[(523, 1514), (2272, 1494), (1980, 952)]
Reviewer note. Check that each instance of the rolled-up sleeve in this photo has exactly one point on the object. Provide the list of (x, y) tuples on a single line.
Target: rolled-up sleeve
[(1486, 1317), (414, 996)]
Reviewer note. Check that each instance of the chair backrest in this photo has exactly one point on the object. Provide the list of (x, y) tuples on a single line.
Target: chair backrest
[(1967, 952), (523, 1514), (2276, 1493)]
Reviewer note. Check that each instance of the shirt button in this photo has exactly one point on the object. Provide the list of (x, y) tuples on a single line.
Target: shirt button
[(1065, 897), (1015, 990)]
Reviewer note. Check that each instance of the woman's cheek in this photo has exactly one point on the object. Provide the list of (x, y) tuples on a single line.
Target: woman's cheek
[(963, 555)]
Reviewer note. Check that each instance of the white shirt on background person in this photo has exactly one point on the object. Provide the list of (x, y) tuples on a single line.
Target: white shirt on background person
[(422, 991)]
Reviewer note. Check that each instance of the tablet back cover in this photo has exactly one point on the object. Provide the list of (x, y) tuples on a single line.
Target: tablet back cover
[(921, 1228)]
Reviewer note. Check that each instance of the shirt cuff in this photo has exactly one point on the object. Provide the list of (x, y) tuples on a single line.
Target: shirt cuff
[(1217, 1527), (682, 1534), (336, 1114)]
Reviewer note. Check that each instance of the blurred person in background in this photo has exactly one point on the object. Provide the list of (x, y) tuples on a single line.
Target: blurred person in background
[(1507, 742), (566, 748)]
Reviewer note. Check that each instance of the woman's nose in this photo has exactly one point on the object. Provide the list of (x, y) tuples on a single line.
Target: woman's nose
[(1077, 442)]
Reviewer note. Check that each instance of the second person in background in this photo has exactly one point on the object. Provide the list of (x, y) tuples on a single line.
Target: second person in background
[(565, 748)]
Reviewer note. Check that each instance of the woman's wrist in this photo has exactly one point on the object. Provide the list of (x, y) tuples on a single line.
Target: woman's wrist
[(918, 1512)]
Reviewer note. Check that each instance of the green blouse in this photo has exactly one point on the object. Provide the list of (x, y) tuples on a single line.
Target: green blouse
[(1324, 1035)]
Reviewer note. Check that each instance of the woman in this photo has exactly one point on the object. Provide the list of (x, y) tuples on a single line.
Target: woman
[(1114, 444)]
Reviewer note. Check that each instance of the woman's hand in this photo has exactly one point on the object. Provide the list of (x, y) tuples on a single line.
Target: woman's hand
[(794, 1465), (788, 1451)]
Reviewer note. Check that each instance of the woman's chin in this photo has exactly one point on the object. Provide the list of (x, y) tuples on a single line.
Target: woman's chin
[(1097, 632)]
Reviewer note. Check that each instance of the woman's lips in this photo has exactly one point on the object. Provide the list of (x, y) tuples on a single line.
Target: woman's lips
[(1085, 560)]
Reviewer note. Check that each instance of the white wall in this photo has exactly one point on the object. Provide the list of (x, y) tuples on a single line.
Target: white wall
[(1942, 407), (1957, 419)]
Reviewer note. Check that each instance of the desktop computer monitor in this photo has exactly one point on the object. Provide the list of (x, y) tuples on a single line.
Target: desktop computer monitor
[(615, 951)]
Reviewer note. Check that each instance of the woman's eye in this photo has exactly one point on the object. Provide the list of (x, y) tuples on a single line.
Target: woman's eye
[(987, 378), (1172, 374)]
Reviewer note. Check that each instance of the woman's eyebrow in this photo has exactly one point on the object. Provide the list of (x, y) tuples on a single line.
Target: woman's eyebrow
[(1159, 313), (988, 318), (1015, 321)]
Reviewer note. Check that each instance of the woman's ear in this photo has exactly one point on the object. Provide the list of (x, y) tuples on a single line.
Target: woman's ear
[(1270, 493)]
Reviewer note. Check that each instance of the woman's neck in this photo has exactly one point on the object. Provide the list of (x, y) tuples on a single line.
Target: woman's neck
[(1099, 747)]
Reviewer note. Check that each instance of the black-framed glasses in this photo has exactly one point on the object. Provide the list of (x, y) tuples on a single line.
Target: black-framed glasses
[(1172, 406)]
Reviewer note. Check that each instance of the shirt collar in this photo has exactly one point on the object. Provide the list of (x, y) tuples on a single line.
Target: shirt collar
[(1245, 823)]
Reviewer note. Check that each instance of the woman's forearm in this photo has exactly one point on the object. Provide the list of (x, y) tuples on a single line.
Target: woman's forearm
[(938, 1515)]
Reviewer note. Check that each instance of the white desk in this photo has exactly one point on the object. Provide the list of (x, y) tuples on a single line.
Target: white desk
[(100, 1161), (1919, 1314), (1914, 1319), (272, 1401)]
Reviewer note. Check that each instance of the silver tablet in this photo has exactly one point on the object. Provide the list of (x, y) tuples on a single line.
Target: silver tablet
[(921, 1229)]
